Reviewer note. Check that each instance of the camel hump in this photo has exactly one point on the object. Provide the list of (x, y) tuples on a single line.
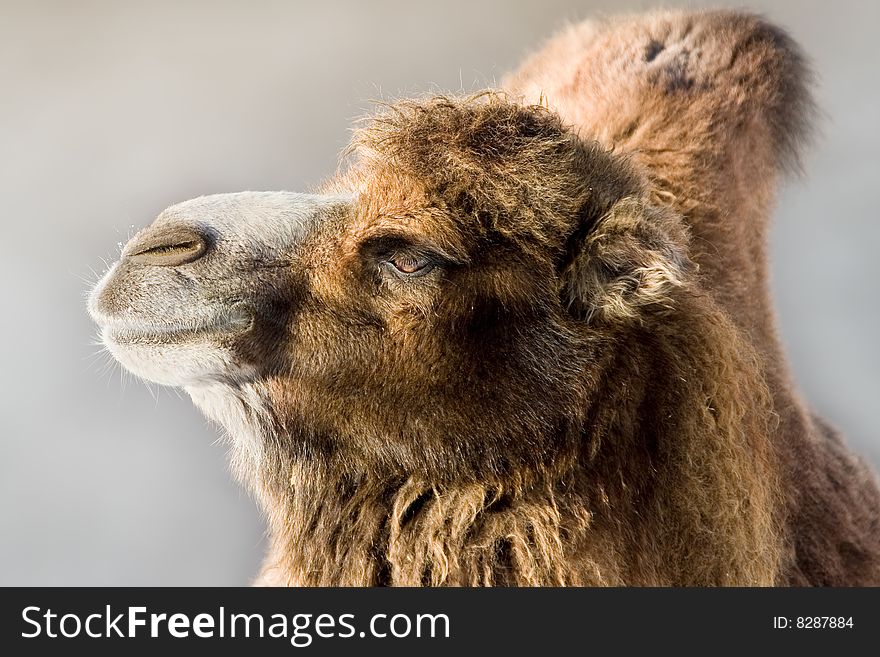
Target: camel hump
[(691, 83)]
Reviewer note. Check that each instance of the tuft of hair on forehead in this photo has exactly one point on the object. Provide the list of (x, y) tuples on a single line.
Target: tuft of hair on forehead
[(516, 170)]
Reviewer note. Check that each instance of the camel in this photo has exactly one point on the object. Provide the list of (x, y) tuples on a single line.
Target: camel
[(523, 337)]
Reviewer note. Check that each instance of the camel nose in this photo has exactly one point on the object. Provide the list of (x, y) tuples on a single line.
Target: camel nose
[(167, 247)]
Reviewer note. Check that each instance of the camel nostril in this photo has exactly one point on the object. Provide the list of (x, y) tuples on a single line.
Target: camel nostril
[(167, 247)]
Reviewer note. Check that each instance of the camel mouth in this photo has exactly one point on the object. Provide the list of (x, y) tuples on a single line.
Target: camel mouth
[(135, 333)]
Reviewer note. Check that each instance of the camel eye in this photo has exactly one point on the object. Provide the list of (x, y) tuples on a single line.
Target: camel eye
[(409, 264), (392, 256)]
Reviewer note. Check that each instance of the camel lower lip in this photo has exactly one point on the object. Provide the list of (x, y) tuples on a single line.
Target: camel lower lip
[(173, 333)]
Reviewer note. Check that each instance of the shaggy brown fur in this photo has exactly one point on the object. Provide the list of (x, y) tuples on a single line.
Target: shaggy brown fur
[(555, 402), (563, 398)]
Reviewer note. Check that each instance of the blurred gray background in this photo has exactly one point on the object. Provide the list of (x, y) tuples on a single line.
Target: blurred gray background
[(112, 111)]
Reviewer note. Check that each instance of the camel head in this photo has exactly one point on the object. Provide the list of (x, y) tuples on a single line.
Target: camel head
[(435, 311)]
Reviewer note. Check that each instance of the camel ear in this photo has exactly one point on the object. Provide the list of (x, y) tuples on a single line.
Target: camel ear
[(627, 262)]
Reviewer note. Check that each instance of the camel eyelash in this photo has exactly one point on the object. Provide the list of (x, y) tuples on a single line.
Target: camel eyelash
[(401, 257), (407, 265)]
